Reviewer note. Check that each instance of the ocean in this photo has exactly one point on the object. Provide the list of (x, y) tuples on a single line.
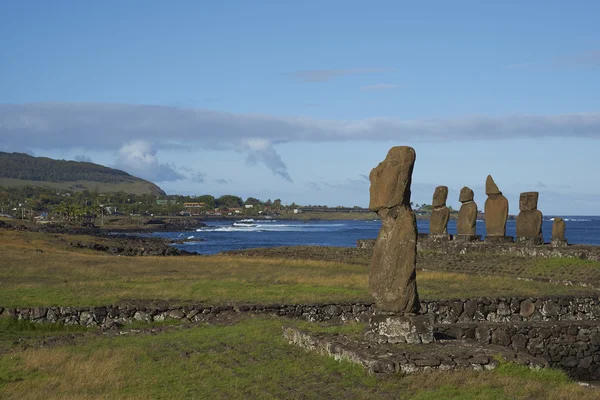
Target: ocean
[(229, 235)]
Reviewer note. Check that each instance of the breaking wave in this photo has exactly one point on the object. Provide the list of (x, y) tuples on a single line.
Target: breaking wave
[(272, 227)]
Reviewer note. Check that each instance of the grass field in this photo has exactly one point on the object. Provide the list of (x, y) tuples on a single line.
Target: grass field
[(134, 187), (560, 269), (244, 359), (35, 271)]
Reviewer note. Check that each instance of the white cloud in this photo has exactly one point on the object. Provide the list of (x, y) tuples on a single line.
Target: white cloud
[(139, 158), (83, 158), (112, 126), (261, 150)]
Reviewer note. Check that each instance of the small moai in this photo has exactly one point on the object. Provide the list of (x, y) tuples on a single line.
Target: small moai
[(392, 279), (496, 213), (529, 220), (467, 216), (558, 233), (438, 222)]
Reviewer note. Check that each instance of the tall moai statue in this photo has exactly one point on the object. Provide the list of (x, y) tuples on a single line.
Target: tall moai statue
[(558, 233), (392, 280), (529, 220), (496, 213), (438, 223), (467, 216)]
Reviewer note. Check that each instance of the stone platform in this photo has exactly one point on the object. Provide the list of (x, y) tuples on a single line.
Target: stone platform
[(443, 355), (400, 329)]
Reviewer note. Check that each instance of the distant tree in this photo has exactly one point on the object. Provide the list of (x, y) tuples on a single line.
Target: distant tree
[(229, 201), (252, 201)]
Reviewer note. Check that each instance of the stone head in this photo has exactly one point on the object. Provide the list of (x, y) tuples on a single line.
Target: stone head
[(491, 187), (391, 179), (440, 195), (466, 195), (528, 201)]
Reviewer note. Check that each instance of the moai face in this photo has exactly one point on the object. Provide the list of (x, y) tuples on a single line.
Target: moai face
[(391, 179), (528, 201), (440, 196), (466, 195)]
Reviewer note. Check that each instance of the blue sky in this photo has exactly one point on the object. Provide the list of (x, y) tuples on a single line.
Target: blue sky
[(301, 100)]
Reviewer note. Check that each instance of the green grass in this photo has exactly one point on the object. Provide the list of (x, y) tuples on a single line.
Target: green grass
[(246, 360), (139, 187), (62, 276)]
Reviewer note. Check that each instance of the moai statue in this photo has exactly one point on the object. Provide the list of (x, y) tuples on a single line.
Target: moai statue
[(467, 216), (392, 279), (438, 223), (529, 220), (558, 233), (496, 213)]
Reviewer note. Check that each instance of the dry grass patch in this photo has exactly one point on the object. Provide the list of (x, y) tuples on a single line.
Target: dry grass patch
[(62, 374), (246, 360), (60, 276)]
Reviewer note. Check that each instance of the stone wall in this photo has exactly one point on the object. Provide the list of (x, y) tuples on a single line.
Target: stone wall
[(573, 346), (384, 358), (460, 247), (543, 251), (514, 309)]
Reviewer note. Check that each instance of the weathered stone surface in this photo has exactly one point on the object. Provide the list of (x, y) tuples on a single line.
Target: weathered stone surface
[(558, 229), (392, 279), (438, 223), (467, 215), (529, 220), (405, 359), (466, 195), (467, 238), (401, 329), (496, 209), (391, 179), (440, 195)]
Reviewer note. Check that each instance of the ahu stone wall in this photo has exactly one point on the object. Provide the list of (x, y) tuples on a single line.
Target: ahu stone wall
[(513, 309), (583, 252), (573, 346)]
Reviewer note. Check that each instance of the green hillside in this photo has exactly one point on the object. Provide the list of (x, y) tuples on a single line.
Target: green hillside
[(17, 169)]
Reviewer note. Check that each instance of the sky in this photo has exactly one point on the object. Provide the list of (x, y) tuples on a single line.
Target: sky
[(300, 100)]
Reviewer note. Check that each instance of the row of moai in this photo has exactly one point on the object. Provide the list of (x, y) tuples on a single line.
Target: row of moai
[(529, 220)]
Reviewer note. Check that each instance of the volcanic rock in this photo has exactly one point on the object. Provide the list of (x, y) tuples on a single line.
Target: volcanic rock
[(392, 279)]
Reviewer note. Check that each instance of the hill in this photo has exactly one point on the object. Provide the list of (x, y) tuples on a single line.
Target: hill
[(18, 169)]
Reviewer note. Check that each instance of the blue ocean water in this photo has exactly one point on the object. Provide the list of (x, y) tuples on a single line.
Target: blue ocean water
[(227, 235)]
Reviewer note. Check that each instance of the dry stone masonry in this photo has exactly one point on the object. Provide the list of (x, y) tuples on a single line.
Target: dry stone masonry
[(529, 220)]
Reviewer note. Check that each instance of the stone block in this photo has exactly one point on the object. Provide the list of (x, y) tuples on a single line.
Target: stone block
[(438, 238), (559, 243), (530, 241), (402, 329), (467, 238), (499, 239)]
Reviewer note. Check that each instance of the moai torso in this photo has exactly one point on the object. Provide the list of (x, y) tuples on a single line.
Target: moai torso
[(392, 279), (496, 210), (529, 220), (558, 229), (438, 223), (467, 215)]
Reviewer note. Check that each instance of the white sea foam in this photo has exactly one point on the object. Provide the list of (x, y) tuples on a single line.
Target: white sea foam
[(272, 227)]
